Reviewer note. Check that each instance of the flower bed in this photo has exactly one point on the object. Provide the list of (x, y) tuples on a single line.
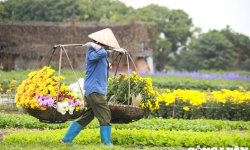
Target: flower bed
[(224, 104)]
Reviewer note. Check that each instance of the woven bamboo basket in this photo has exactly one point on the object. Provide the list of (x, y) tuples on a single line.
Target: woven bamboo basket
[(53, 116), (123, 114)]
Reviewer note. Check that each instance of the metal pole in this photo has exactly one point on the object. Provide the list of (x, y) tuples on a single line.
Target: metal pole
[(174, 107), (203, 111)]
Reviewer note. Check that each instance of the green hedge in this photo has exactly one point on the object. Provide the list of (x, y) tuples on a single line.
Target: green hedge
[(201, 125), (214, 111), (189, 83), (137, 137)]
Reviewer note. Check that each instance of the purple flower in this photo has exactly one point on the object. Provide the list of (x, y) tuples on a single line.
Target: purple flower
[(37, 96)]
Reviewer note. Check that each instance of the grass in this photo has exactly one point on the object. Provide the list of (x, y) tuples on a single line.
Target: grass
[(57, 146)]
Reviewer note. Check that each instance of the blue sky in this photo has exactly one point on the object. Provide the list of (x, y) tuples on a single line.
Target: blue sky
[(208, 14)]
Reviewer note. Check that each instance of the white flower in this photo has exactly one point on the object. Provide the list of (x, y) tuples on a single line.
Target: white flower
[(70, 112)]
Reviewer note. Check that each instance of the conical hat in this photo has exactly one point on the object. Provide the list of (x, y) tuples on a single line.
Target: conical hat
[(105, 37)]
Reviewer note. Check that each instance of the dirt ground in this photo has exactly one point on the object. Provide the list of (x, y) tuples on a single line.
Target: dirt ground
[(10, 112), (15, 130)]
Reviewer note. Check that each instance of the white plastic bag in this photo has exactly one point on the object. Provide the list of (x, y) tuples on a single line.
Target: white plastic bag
[(76, 89)]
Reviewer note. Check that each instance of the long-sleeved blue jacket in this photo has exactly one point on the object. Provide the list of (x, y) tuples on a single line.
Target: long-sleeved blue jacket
[(97, 67)]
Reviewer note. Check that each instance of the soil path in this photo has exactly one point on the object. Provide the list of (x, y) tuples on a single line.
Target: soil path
[(10, 112), (16, 130)]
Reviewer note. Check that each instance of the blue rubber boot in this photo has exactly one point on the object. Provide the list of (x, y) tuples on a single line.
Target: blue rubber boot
[(72, 131), (105, 132)]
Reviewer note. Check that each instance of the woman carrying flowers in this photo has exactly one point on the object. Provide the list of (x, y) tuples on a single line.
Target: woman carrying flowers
[(95, 86)]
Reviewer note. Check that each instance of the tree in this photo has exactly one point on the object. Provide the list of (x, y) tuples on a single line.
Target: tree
[(174, 24), (213, 51), (2, 12), (163, 49), (104, 11), (241, 45), (40, 10), (61, 10)]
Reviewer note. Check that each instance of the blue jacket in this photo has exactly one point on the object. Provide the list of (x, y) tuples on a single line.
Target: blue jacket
[(97, 67)]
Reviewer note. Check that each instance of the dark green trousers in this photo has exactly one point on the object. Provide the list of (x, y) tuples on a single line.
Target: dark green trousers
[(97, 107)]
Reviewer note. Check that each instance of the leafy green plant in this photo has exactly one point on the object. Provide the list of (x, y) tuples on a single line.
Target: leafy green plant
[(173, 82), (199, 125), (137, 137)]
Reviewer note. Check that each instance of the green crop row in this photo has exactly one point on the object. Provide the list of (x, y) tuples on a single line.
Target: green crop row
[(137, 137), (189, 83), (60, 146), (171, 82), (26, 121), (212, 71)]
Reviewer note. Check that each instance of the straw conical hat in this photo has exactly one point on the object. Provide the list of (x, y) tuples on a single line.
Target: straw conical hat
[(105, 37)]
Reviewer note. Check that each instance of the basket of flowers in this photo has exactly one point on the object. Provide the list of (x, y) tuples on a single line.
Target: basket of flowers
[(48, 99), (130, 97), (40, 96)]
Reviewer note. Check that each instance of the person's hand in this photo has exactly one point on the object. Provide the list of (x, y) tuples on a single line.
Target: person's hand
[(120, 50), (90, 44)]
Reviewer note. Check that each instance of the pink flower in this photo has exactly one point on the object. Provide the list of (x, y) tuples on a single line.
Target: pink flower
[(37, 96), (70, 97), (62, 98)]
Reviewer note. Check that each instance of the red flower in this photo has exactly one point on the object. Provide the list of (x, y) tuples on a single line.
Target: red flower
[(70, 97), (63, 94)]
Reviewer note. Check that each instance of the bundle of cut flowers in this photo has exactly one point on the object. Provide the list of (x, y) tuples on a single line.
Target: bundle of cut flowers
[(141, 91), (40, 90)]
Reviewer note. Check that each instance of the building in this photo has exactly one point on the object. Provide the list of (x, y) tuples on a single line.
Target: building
[(24, 44)]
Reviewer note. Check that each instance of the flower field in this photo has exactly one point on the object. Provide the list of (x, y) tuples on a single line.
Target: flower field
[(209, 112), (193, 104)]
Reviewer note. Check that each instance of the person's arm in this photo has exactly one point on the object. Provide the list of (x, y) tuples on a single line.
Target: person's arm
[(97, 54), (97, 51), (111, 53)]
